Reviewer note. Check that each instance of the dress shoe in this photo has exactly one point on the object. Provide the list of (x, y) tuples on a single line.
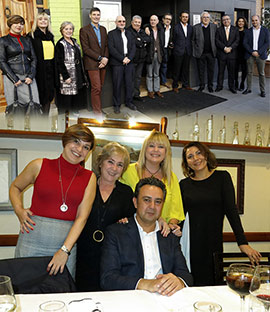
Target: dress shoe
[(236, 85), (242, 86), (233, 90), (137, 98), (246, 91), (151, 95), (159, 94), (116, 109), (165, 85), (176, 90), (200, 89), (262, 94), (132, 106), (210, 89), (187, 88), (218, 89)]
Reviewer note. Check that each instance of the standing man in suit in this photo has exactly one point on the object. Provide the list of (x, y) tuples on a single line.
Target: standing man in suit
[(204, 49), (168, 46), (256, 43), (227, 40), (122, 50), (182, 52), (94, 43), (136, 256)]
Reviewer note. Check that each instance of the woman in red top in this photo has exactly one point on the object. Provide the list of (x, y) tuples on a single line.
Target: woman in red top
[(62, 200)]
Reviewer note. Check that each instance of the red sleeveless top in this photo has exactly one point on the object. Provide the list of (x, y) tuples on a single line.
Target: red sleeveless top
[(47, 196)]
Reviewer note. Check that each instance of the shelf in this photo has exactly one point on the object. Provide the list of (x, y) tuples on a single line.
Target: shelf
[(231, 147), (38, 135)]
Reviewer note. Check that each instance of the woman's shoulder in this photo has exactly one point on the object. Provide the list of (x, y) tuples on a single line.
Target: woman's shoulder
[(123, 188)]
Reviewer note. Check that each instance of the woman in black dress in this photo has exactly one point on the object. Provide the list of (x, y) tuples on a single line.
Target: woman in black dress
[(43, 43), (208, 195), (113, 202), (241, 62)]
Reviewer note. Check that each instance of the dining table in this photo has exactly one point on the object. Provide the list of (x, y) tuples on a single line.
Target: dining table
[(134, 300)]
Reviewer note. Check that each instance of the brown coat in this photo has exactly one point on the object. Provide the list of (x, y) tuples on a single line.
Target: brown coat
[(91, 48)]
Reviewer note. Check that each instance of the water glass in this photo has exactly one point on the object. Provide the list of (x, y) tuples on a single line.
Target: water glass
[(7, 297)]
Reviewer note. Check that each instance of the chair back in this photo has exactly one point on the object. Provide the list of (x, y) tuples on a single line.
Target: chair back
[(29, 276), (222, 260)]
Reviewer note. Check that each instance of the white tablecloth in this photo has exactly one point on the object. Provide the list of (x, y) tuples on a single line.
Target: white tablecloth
[(140, 301)]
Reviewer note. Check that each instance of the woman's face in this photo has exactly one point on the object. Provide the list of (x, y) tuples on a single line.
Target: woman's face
[(16, 29), (76, 151), (42, 22), (67, 32), (195, 159), (241, 23), (155, 152), (111, 169)]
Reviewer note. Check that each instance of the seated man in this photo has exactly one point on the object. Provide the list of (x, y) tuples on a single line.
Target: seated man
[(136, 256)]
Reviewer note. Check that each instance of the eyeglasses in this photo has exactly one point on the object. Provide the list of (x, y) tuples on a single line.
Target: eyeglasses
[(167, 18), (205, 17), (121, 21)]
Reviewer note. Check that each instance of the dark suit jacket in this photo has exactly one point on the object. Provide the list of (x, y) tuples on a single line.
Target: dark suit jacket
[(198, 40), (122, 260), (116, 48), (263, 42), (91, 48), (181, 43), (222, 42)]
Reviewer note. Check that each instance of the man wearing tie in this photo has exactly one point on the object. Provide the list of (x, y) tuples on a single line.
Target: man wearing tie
[(227, 40)]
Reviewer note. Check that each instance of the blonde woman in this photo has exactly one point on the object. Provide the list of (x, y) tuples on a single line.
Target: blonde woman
[(43, 43), (155, 160)]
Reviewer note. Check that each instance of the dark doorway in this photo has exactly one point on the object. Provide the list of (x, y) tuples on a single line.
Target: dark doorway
[(241, 13)]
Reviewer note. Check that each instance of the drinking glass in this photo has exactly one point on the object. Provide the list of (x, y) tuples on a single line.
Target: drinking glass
[(205, 306), (7, 298), (53, 306), (260, 285), (238, 278)]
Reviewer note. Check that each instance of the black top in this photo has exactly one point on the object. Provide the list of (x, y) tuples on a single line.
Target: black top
[(240, 48), (207, 43), (118, 205), (207, 202)]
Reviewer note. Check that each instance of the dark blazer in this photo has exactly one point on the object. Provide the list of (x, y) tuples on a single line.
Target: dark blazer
[(91, 48), (116, 48), (263, 43), (151, 46), (222, 42), (198, 39), (181, 43), (122, 261)]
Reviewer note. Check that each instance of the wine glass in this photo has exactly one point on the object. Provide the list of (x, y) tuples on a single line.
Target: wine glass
[(238, 278), (7, 297), (260, 285)]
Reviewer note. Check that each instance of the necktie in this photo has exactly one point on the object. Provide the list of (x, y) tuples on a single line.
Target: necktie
[(227, 33)]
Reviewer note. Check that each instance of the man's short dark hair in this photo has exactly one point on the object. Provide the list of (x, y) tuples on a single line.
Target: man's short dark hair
[(150, 181), (94, 9), (185, 11), (167, 14)]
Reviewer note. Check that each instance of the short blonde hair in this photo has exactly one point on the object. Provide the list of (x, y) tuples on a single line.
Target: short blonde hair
[(166, 164), (35, 26), (110, 149), (64, 24)]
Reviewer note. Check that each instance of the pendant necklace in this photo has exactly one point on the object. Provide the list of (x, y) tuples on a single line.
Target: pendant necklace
[(152, 173), (64, 206)]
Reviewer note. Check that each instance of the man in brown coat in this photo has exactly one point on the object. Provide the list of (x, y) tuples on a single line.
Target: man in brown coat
[(94, 43)]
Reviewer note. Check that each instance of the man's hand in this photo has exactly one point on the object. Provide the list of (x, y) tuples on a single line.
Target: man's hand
[(147, 31), (256, 54), (103, 62), (126, 60), (227, 49)]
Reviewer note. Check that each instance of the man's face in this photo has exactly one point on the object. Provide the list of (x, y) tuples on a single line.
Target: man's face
[(226, 21), (136, 23), (184, 18), (167, 19), (120, 22), (148, 204), (154, 21), (206, 19), (95, 17), (255, 21)]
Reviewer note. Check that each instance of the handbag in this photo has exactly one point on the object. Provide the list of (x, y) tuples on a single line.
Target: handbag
[(33, 108), (16, 107)]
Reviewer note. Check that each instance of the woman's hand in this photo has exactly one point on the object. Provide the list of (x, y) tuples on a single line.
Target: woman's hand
[(25, 220), (58, 262), (254, 255), (28, 80), (16, 84), (176, 230), (68, 81), (164, 227)]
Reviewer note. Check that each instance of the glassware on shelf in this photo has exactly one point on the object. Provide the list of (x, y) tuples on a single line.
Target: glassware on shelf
[(235, 133), (27, 123), (268, 140), (175, 134), (196, 130), (10, 121), (54, 118), (209, 130), (258, 140), (247, 136), (223, 131)]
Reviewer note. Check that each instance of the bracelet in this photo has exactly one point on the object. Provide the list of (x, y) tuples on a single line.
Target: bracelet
[(66, 250)]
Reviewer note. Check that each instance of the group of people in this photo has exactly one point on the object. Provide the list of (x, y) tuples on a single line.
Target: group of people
[(121, 229)]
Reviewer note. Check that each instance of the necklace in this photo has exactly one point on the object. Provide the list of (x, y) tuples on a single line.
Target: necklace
[(152, 173), (64, 206)]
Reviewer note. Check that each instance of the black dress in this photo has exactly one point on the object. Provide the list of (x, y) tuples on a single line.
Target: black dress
[(207, 202), (118, 205)]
